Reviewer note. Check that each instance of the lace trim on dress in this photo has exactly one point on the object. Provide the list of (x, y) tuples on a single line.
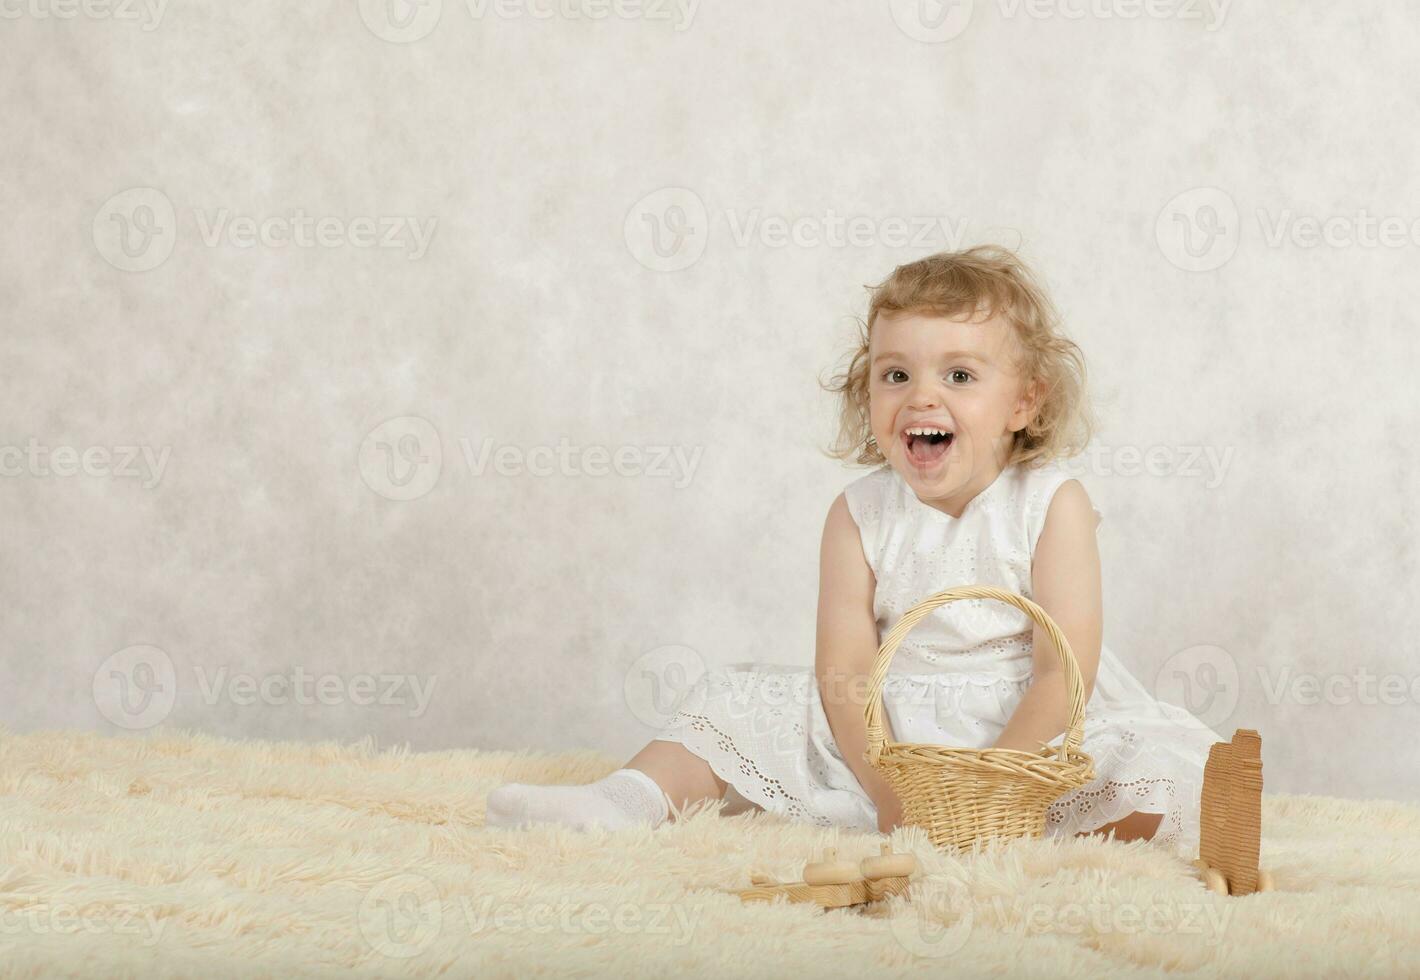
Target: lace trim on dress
[(1175, 796), (1081, 811), (764, 790), (1092, 809)]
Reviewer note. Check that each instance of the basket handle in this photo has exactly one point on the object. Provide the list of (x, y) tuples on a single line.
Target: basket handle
[(1074, 684)]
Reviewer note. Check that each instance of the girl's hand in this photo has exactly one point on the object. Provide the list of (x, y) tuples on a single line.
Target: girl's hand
[(889, 810)]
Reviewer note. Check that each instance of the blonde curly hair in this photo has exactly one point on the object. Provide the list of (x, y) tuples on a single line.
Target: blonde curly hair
[(985, 278)]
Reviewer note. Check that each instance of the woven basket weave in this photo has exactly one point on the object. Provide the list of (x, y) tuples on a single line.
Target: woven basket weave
[(960, 796)]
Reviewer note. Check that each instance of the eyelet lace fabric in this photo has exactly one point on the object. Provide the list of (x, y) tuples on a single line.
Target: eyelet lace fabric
[(955, 680), (1137, 770), (762, 729)]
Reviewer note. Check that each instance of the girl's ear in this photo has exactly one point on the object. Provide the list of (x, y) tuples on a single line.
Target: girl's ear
[(1027, 405)]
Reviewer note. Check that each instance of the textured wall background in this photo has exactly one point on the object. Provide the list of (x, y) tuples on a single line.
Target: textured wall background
[(302, 305)]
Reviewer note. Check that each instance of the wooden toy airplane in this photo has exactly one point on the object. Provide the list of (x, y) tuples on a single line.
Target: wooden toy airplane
[(1230, 831), (834, 884)]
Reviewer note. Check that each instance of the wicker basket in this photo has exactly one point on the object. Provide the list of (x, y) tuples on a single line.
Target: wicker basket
[(960, 796)]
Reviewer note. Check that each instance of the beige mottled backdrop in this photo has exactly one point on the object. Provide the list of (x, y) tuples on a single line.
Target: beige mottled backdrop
[(449, 372)]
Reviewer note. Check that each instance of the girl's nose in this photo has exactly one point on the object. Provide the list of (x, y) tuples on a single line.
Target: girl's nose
[(925, 396)]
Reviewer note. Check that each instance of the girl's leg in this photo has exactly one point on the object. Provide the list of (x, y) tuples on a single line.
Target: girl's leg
[(639, 793), (1136, 826), (684, 776)]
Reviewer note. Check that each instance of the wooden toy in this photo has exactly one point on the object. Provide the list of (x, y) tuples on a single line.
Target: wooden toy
[(831, 871), (833, 884), (888, 865), (1230, 818)]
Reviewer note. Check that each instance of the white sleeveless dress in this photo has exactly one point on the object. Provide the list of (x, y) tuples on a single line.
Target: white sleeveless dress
[(954, 680)]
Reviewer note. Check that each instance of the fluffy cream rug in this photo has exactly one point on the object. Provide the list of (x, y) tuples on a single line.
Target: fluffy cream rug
[(180, 854)]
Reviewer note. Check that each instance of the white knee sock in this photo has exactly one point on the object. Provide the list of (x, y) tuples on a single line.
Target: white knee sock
[(626, 798)]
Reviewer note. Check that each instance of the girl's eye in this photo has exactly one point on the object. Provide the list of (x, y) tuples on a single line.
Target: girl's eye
[(899, 371)]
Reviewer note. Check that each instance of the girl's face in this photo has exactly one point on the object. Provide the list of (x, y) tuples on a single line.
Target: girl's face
[(954, 374)]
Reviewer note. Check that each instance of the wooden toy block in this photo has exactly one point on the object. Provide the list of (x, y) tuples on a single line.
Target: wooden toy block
[(1230, 818), (832, 883)]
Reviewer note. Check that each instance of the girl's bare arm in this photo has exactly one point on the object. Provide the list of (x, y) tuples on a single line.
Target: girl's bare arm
[(846, 643), (1065, 582)]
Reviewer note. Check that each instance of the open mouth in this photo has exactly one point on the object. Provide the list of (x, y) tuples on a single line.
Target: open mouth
[(925, 447)]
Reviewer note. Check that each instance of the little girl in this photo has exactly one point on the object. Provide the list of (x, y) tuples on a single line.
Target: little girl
[(966, 398)]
